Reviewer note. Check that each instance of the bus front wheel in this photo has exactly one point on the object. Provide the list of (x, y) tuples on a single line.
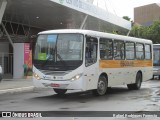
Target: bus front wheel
[(60, 91), (101, 86), (137, 84)]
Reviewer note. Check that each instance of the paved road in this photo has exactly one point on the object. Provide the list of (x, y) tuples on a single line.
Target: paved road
[(16, 85), (118, 99)]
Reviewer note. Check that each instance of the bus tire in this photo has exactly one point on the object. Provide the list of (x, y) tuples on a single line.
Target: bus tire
[(60, 91), (137, 84), (101, 86)]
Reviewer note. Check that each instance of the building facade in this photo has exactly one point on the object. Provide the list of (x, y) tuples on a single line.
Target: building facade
[(145, 15)]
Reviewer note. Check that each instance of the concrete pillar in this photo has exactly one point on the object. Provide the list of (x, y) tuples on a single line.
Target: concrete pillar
[(3, 4), (18, 60)]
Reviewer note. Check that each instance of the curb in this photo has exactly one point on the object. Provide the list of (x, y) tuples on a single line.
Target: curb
[(16, 90)]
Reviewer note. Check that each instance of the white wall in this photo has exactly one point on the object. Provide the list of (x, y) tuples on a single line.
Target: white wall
[(18, 60)]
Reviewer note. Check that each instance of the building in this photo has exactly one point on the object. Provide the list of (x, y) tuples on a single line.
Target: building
[(145, 15), (22, 19)]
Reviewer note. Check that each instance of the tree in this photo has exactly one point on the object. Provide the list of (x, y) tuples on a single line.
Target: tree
[(154, 32), (126, 18), (135, 30), (151, 32)]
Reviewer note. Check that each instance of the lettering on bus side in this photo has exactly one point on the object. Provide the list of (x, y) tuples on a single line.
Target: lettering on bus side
[(127, 63)]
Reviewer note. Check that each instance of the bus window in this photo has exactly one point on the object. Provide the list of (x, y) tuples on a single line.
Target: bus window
[(130, 50), (139, 51), (106, 48), (156, 57), (91, 51), (118, 50), (148, 54)]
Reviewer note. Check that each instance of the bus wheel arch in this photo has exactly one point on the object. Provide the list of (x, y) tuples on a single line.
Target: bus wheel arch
[(138, 81), (106, 76), (102, 85)]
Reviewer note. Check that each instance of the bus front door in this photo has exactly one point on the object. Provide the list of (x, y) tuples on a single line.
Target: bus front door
[(91, 62)]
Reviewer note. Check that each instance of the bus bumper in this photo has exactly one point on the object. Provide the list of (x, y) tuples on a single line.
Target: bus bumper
[(64, 84)]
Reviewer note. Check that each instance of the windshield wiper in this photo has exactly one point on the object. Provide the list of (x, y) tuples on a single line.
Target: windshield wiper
[(60, 58)]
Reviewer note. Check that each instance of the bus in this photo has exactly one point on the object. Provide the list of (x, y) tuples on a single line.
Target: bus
[(156, 60), (73, 59)]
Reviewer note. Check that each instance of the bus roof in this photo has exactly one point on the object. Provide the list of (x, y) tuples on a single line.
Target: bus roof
[(156, 46), (97, 34)]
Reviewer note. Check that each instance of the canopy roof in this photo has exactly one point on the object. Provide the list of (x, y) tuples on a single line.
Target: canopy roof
[(57, 14)]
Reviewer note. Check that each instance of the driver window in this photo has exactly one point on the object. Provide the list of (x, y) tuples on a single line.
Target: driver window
[(91, 51)]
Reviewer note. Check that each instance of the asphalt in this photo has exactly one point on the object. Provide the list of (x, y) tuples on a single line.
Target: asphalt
[(16, 85)]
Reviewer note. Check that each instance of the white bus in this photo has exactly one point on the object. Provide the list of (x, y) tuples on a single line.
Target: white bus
[(156, 60), (84, 60)]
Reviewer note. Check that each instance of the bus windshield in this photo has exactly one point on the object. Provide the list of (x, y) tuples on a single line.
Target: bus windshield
[(58, 49)]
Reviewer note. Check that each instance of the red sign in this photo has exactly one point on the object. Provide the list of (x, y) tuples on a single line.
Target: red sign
[(27, 56)]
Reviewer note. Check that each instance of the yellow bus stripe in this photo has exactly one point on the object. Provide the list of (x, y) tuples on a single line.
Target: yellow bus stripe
[(124, 63)]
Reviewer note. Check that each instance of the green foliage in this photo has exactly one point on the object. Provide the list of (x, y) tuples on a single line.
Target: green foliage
[(151, 32), (155, 32), (126, 18), (115, 32)]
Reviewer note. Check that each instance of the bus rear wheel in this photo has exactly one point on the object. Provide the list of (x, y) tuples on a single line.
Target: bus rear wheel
[(60, 91), (137, 84), (101, 86)]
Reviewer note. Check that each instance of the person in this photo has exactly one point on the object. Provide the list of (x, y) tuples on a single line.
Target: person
[(25, 69)]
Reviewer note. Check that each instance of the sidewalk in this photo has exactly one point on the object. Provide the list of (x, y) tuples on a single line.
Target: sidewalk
[(16, 85)]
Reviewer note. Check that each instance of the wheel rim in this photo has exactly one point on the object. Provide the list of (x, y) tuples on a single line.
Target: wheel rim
[(101, 87)]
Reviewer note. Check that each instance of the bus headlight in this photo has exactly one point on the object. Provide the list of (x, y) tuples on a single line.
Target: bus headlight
[(36, 76), (76, 77)]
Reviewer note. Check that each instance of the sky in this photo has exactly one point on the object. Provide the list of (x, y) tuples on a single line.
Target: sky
[(123, 7)]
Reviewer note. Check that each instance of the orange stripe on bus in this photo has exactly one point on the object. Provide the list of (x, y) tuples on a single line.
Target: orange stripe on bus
[(124, 63)]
